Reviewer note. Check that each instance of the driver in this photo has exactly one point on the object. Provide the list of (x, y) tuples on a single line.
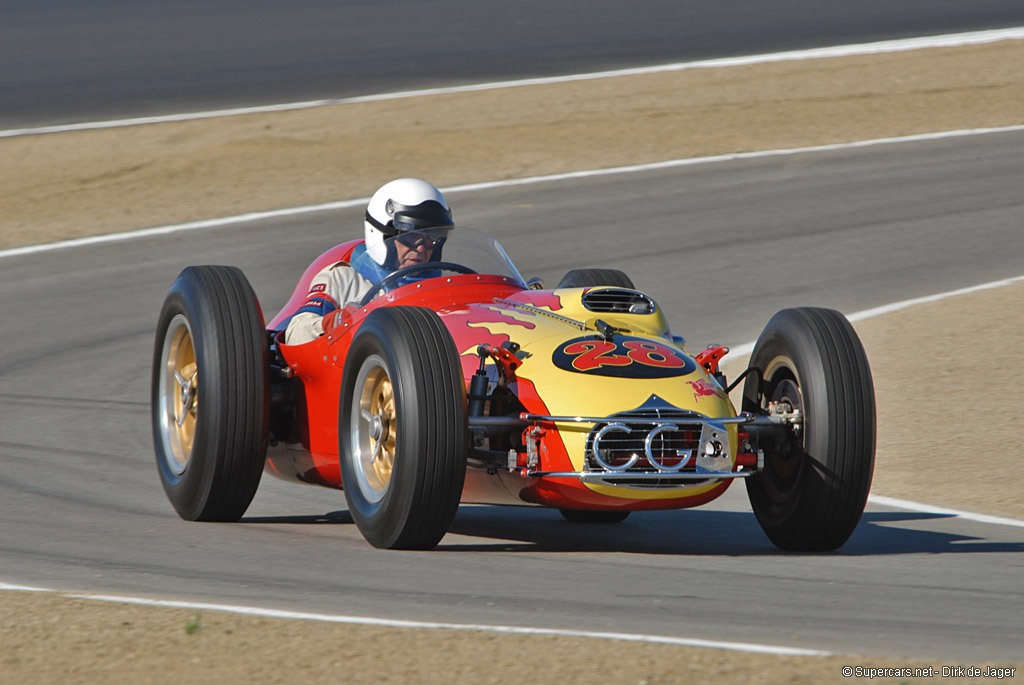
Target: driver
[(398, 207)]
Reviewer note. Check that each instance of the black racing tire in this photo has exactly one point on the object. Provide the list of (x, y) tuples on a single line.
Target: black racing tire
[(590, 278), (594, 516), (402, 428), (813, 489), (210, 394)]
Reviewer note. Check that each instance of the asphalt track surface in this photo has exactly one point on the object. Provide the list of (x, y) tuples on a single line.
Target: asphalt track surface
[(82, 508), (67, 61)]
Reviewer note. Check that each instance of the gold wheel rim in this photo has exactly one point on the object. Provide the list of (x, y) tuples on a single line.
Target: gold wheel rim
[(374, 429), (179, 395), (382, 404)]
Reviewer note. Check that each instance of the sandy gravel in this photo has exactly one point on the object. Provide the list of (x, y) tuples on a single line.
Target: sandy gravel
[(67, 185)]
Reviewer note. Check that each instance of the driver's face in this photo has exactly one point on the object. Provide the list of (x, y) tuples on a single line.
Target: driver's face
[(415, 253)]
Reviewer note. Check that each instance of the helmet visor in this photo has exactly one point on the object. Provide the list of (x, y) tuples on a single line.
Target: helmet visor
[(427, 214)]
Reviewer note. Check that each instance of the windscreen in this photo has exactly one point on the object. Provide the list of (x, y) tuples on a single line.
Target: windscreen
[(416, 256)]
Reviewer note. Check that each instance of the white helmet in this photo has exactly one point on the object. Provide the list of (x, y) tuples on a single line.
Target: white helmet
[(405, 204)]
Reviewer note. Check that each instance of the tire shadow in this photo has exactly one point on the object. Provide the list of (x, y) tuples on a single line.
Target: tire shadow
[(331, 517), (702, 532)]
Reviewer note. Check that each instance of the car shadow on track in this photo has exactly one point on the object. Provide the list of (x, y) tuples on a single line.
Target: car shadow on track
[(904, 532), (334, 517), (702, 532)]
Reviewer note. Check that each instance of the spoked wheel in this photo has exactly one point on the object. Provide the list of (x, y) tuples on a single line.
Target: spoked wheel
[(592, 278), (402, 428), (814, 486), (588, 516), (210, 394)]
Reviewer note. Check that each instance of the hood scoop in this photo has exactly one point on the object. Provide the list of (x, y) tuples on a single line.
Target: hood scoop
[(618, 301)]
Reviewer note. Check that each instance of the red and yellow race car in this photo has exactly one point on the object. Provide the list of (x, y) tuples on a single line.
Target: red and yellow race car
[(456, 381)]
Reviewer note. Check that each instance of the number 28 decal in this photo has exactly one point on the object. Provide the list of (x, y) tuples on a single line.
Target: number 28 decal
[(625, 357)]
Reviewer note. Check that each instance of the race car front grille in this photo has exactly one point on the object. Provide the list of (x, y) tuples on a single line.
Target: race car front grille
[(619, 448), (623, 442), (654, 446), (618, 301)]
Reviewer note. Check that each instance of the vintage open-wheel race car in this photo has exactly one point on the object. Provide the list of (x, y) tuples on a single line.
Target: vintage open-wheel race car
[(457, 381)]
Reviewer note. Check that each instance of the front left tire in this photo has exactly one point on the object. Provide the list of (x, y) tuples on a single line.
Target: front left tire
[(402, 428), (814, 486)]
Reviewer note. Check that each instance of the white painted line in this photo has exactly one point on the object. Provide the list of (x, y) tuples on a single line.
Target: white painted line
[(177, 228), (22, 588), (731, 157), (433, 625), (947, 40), (487, 185), (906, 304), (517, 630), (943, 511), (747, 348), (740, 351)]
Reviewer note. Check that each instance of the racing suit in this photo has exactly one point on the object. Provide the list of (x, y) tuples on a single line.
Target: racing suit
[(330, 290)]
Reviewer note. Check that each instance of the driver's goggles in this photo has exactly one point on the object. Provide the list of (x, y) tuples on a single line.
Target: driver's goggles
[(416, 241)]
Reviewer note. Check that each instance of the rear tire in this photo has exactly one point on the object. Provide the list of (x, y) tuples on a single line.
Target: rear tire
[(210, 395), (812, 491), (402, 428), (591, 278)]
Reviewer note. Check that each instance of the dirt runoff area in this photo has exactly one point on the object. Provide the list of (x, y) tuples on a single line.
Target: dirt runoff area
[(68, 185)]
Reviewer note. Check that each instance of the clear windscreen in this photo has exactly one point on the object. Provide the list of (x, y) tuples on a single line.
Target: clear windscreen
[(428, 253)]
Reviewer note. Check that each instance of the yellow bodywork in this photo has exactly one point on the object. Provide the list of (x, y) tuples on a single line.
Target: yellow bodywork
[(540, 330)]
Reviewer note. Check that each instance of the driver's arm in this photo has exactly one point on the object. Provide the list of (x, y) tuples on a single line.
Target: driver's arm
[(332, 288)]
